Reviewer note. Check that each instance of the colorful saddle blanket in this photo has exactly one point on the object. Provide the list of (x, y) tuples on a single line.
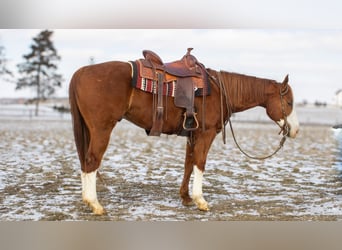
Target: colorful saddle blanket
[(169, 86)]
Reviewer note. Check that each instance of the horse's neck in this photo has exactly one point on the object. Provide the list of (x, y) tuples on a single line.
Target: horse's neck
[(245, 92)]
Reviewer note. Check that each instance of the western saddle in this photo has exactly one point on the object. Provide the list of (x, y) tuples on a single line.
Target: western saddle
[(189, 75)]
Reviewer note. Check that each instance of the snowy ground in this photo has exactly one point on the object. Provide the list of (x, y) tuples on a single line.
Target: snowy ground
[(40, 174)]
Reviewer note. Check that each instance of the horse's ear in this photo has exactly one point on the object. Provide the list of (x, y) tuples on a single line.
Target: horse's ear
[(286, 80)]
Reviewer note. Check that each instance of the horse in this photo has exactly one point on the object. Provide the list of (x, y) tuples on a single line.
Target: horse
[(101, 95)]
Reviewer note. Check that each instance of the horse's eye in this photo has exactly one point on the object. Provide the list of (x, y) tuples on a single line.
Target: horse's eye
[(290, 104)]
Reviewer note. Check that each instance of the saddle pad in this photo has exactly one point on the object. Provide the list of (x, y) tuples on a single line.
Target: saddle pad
[(150, 86)]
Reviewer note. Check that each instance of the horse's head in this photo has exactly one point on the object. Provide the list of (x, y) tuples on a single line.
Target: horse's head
[(281, 109)]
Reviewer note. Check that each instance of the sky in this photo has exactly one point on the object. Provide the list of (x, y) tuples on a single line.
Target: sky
[(311, 57), (171, 14)]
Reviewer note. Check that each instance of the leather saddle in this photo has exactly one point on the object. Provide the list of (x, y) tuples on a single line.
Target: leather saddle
[(188, 66), (189, 75)]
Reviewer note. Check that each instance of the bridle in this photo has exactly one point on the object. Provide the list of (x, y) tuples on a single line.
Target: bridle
[(285, 128)]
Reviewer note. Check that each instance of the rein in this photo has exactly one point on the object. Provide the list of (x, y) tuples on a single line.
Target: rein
[(223, 95)]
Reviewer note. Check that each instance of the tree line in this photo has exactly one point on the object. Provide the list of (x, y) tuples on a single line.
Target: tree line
[(38, 70)]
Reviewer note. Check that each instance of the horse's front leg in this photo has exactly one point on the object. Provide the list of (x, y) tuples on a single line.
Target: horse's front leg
[(201, 149), (188, 168), (195, 162), (197, 193)]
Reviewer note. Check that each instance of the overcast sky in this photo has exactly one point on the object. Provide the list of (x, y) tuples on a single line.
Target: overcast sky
[(311, 57)]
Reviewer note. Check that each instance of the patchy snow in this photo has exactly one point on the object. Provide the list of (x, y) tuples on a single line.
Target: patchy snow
[(40, 175)]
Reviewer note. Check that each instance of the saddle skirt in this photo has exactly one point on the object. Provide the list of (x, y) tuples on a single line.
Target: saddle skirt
[(183, 79)]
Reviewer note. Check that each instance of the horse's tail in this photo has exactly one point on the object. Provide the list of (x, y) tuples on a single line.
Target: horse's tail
[(81, 131)]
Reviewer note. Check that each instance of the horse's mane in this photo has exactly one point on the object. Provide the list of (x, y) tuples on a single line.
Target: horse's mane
[(243, 88)]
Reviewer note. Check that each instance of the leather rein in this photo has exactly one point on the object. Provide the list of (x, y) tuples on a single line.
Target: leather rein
[(285, 129)]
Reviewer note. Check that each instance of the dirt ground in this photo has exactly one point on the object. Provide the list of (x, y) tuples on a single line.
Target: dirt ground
[(40, 175)]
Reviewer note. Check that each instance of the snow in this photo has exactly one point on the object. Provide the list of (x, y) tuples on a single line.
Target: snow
[(39, 174)]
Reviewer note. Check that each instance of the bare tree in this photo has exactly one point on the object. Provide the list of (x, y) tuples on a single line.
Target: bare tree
[(4, 71)]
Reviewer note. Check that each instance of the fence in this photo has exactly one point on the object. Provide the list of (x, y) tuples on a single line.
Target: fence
[(27, 112), (328, 116)]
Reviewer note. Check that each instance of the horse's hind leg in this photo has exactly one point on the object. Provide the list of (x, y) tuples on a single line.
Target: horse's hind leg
[(99, 139), (89, 192)]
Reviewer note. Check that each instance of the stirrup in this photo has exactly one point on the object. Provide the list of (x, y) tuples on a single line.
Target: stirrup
[(190, 128)]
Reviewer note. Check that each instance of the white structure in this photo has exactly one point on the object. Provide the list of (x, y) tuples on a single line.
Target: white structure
[(338, 98)]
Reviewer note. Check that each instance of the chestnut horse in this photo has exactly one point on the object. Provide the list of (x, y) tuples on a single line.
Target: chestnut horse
[(101, 95)]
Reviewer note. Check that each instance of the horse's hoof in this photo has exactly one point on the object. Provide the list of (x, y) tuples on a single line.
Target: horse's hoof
[(99, 211), (204, 208), (187, 202), (96, 207), (201, 204)]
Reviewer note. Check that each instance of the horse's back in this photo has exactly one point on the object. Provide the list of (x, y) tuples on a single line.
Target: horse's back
[(103, 73), (103, 88)]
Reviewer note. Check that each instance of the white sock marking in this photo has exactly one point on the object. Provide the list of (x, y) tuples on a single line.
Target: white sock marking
[(89, 192), (197, 193), (197, 186), (89, 186)]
